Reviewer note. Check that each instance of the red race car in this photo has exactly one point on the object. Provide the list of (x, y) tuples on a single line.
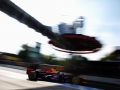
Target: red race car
[(48, 74)]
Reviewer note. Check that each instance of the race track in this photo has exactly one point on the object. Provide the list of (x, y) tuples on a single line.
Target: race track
[(16, 79), (11, 79)]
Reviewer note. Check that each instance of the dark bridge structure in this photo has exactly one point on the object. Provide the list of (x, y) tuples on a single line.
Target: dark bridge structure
[(17, 13), (77, 43)]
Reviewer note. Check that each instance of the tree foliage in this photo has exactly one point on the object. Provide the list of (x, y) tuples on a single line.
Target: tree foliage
[(23, 53), (107, 57), (79, 57), (111, 56), (50, 59)]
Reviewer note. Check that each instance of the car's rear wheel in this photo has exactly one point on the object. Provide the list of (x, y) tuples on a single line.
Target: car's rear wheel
[(32, 75), (76, 80)]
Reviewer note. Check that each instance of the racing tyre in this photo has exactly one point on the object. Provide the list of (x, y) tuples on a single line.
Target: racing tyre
[(32, 76), (76, 80)]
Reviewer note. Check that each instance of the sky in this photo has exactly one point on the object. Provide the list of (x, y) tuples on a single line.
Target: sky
[(102, 20)]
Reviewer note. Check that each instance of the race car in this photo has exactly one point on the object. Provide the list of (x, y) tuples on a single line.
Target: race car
[(47, 74)]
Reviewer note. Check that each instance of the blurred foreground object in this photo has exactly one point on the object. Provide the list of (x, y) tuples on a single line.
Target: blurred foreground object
[(70, 43), (82, 44)]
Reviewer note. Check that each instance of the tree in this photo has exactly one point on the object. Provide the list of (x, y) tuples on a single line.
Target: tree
[(49, 59), (79, 57), (25, 47), (107, 57), (114, 56), (24, 53)]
